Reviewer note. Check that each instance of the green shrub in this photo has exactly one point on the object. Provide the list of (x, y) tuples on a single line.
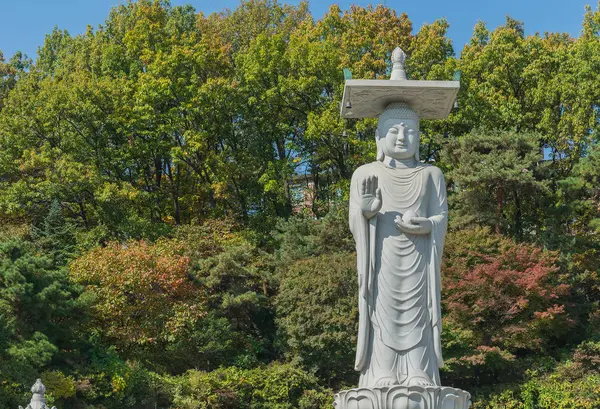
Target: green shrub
[(277, 386), (317, 315)]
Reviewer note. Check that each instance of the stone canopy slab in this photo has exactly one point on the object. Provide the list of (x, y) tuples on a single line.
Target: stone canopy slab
[(368, 98)]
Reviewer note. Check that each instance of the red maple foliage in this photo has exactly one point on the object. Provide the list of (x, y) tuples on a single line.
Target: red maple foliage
[(507, 295)]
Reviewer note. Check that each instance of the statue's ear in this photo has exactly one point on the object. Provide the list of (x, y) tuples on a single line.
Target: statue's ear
[(417, 153), (380, 154)]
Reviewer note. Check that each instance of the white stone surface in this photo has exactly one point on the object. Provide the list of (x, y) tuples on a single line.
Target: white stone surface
[(403, 397), (398, 217), (369, 98), (38, 401)]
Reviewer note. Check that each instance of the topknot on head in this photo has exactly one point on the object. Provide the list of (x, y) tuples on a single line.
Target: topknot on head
[(398, 110)]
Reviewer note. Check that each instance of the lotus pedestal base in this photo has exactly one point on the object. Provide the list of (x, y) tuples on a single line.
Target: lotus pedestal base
[(403, 397)]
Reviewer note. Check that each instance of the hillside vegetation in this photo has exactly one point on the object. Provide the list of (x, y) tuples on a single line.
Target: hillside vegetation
[(152, 254)]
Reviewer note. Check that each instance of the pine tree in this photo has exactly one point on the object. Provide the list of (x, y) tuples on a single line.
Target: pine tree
[(56, 235)]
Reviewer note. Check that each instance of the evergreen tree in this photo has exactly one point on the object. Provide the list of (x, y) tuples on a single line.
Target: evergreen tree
[(55, 235), (498, 181)]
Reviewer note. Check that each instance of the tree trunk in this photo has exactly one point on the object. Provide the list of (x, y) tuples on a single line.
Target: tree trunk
[(499, 199), (518, 222)]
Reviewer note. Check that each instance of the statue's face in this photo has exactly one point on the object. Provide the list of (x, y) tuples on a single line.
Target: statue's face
[(399, 138)]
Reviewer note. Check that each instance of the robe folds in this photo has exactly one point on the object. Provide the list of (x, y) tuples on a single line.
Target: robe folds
[(399, 274)]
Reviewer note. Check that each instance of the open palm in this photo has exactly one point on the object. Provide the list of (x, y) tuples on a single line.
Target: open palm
[(370, 196)]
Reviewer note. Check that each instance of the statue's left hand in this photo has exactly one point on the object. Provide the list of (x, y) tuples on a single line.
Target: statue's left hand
[(416, 225)]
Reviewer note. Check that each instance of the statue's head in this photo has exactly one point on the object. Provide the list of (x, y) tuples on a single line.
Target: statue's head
[(397, 133)]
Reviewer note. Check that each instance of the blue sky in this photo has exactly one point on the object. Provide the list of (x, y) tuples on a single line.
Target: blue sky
[(24, 23)]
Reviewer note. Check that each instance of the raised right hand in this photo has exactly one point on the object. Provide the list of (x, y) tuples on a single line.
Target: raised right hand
[(370, 196)]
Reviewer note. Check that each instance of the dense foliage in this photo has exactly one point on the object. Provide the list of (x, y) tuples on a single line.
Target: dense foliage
[(154, 252), (141, 294)]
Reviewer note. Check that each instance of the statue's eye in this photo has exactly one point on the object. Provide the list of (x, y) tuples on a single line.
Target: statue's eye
[(393, 130)]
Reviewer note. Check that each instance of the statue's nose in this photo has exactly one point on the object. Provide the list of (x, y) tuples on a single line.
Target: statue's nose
[(401, 134)]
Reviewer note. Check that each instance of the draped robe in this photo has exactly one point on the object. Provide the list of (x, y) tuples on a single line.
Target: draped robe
[(399, 275)]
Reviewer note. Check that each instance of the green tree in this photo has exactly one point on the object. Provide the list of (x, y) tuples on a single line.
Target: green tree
[(538, 83), (498, 180), (143, 297), (304, 237), (317, 315), (10, 72), (580, 194), (56, 235), (39, 316), (237, 285)]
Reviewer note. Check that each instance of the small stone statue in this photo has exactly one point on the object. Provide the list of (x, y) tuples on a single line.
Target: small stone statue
[(37, 401)]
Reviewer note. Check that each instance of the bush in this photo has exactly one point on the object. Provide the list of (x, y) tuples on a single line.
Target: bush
[(112, 383), (551, 392), (317, 315), (143, 296), (501, 300), (512, 299), (277, 386)]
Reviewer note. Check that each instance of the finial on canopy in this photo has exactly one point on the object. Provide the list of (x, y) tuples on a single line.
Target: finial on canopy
[(369, 98), (398, 59)]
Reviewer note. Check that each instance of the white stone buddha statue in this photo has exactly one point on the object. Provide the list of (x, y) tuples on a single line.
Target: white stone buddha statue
[(398, 216)]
